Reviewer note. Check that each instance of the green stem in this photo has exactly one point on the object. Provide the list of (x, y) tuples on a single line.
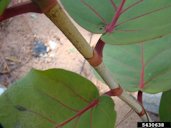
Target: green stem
[(127, 98), (57, 15)]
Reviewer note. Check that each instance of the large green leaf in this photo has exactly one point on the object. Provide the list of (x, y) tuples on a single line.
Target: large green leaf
[(146, 20), (45, 99), (3, 5), (165, 107), (145, 67)]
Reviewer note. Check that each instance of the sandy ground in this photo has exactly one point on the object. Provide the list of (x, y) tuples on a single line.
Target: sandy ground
[(17, 37)]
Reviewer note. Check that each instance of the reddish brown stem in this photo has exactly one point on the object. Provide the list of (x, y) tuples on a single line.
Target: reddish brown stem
[(90, 106), (140, 97), (19, 9), (110, 27)]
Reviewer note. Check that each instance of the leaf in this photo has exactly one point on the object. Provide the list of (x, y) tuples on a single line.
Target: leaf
[(3, 5), (139, 20), (47, 99), (83, 15), (145, 66), (165, 107)]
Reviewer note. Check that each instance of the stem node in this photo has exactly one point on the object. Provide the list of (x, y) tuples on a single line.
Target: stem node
[(115, 92), (95, 60)]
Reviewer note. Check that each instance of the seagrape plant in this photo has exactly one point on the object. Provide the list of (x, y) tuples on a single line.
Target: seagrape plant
[(133, 54)]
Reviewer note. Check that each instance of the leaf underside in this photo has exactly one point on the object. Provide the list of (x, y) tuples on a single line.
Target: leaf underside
[(145, 66), (47, 99), (139, 20), (3, 5), (165, 107)]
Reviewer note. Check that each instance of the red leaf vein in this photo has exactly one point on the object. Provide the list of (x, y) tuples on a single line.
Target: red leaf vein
[(78, 114)]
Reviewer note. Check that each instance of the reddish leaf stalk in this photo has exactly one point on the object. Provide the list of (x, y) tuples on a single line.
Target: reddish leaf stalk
[(19, 9), (140, 97), (99, 47), (97, 55), (81, 112), (110, 27)]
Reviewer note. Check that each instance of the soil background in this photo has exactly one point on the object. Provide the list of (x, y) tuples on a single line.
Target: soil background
[(17, 56)]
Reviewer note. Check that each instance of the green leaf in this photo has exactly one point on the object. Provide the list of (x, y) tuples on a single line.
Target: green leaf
[(145, 67), (45, 99), (3, 5), (88, 19), (165, 107), (144, 20)]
